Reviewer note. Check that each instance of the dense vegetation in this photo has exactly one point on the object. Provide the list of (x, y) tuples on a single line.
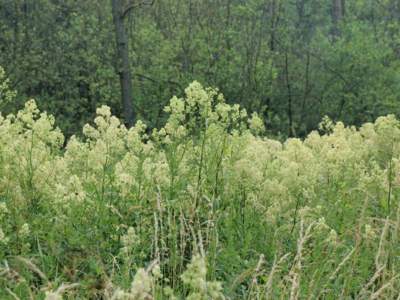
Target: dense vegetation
[(280, 180), (291, 61), (202, 208)]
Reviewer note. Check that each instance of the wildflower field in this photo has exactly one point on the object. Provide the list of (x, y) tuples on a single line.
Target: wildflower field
[(206, 207)]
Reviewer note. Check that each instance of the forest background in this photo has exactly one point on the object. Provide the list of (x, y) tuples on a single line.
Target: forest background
[(291, 61)]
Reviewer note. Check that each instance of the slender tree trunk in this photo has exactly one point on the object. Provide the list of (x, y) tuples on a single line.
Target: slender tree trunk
[(306, 89), (338, 10), (16, 29), (289, 91), (123, 63), (228, 26), (272, 13)]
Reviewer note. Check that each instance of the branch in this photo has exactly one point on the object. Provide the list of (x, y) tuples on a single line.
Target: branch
[(172, 82), (131, 5)]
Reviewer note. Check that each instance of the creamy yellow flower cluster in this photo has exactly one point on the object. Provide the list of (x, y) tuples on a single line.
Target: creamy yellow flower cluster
[(111, 161)]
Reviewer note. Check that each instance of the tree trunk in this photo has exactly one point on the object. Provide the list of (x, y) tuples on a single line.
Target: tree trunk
[(291, 132), (123, 64), (272, 13), (338, 9)]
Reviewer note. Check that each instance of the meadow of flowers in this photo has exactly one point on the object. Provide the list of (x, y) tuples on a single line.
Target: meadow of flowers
[(204, 208)]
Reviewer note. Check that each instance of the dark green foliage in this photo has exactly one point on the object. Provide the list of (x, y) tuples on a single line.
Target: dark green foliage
[(293, 61)]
